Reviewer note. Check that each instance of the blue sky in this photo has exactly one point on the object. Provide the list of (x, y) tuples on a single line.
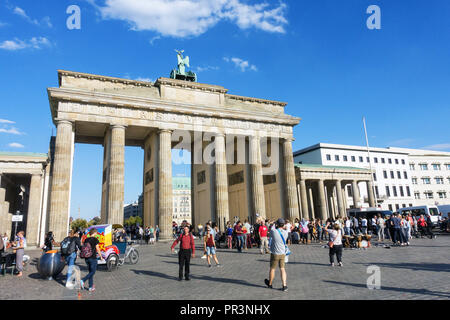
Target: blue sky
[(317, 55)]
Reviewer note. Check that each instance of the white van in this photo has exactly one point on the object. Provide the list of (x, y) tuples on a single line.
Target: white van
[(433, 211)]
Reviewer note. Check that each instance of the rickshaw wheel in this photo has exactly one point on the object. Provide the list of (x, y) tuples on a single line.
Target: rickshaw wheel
[(134, 257), (112, 262)]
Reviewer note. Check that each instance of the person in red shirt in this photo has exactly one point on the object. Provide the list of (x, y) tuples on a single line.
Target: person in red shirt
[(263, 236), (187, 249)]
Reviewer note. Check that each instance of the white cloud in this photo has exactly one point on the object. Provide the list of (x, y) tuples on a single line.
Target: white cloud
[(16, 145), (6, 121), (2, 24), (439, 147), (207, 68), (152, 40), (241, 64), (11, 131), (186, 18), (144, 79), (17, 44), (45, 21)]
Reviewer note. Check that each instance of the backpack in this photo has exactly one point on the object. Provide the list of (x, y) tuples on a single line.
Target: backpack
[(65, 246), (86, 251)]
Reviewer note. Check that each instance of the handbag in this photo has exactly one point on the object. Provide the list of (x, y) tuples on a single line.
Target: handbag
[(288, 251)]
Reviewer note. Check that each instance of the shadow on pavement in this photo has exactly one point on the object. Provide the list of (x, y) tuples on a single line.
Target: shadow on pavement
[(154, 274), (403, 290), (438, 267)]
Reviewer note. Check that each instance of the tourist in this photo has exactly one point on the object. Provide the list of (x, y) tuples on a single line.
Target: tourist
[(422, 223), (187, 250), (239, 236), (147, 234), (381, 226), (89, 250), (69, 248), (364, 225), (229, 236), (247, 235), (278, 249), (319, 230), (256, 231), (335, 243), (49, 242), (429, 227), (406, 226), (200, 231), (355, 225), (210, 247), (288, 228), (151, 235), (5, 239), (311, 231), (20, 244), (304, 231), (263, 230), (397, 229), (157, 231)]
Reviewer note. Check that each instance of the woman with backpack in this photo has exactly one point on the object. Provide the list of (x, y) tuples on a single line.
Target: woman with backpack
[(335, 243), (20, 244), (304, 231), (69, 248), (210, 248), (89, 251)]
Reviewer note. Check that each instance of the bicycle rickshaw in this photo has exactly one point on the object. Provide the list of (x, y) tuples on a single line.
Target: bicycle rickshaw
[(114, 253)]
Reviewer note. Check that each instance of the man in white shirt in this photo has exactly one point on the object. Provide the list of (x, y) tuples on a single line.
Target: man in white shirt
[(364, 225), (288, 227)]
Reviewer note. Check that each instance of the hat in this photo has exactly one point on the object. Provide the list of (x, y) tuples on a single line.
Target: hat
[(280, 221)]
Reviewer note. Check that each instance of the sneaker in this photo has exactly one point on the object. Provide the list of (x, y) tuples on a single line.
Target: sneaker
[(82, 284), (209, 266), (219, 265), (204, 257), (187, 278), (179, 279), (284, 289), (266, 281), (332, 264), (92, 289), (340, 264)]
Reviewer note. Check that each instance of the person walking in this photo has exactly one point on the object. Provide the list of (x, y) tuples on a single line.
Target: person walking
[(69, 247), (157, 231), (239, 236), (429, 227), (355, 225), (49, 242), (364, 225), (335, 243), (319, 230), (278, 249), (151, 235), (187, 250), (262, 231), (304, 231), (200, 231), (20, 243), (347, 226), (229, 236), (89, 251), (381, 226), (209, 245)]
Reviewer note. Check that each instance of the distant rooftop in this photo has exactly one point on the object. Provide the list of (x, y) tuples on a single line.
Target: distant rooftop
[(22, 154), (319, 166), (181, 183)]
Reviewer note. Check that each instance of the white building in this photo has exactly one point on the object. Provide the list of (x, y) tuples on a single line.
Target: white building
[(392, 175), (181, 199), (430, 176)]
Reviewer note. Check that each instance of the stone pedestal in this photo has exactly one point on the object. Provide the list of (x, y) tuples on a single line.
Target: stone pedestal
[(60, 192)]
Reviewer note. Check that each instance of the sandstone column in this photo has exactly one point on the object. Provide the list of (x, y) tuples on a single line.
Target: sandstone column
[(304, 199), (165, 194), (340, 199), (370, 194), (289, 170), (311, 203), (257, 177), (34, 209), (356, 197), (221, 183), (116, 175), (3, 210), (60, 192), (322, 202)]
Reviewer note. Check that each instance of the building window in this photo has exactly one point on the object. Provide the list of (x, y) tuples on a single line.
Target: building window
[(448, 166), (345, 158), (390, 207), (426, 180), (417, 195), (394, 190), (405, 174), (429, 195), (349, 191), (402, 194), (368, 159), (396, 161), (385, 174), (336, 157), (423, 167), (390, 161), (412, 166), (392, 175), (374, 176), (375, 160), (353, 159), (269, 179), (404, 205), (403, 161), (439, 180), (328, 157), (361, 159), (414, 180), (388, 192), (397, 206), (436, 166), (399, 175), (201, 177), (376, 192), (442, 195), (408, 191), (382, 160)]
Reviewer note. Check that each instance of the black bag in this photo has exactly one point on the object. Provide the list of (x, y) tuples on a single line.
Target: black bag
[(65, 246)]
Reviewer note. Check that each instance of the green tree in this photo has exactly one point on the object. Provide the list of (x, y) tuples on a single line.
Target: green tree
[(79, 224), (95, 221), (132, 221)]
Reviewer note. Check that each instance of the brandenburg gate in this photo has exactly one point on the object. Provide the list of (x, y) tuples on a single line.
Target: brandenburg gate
[(241, 148)]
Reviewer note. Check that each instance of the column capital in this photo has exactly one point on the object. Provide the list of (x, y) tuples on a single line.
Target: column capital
[(117, 126), (289, 139), (64, 121), (219, 134), (165, 131)]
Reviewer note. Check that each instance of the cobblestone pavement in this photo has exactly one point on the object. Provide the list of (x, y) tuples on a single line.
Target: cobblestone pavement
[(420, 271)]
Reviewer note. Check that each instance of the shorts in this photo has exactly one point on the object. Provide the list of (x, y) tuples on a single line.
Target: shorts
[(277, 260), (210, 251)]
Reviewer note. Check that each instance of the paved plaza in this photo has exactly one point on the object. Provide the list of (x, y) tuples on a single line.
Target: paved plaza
[(420, 271)]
